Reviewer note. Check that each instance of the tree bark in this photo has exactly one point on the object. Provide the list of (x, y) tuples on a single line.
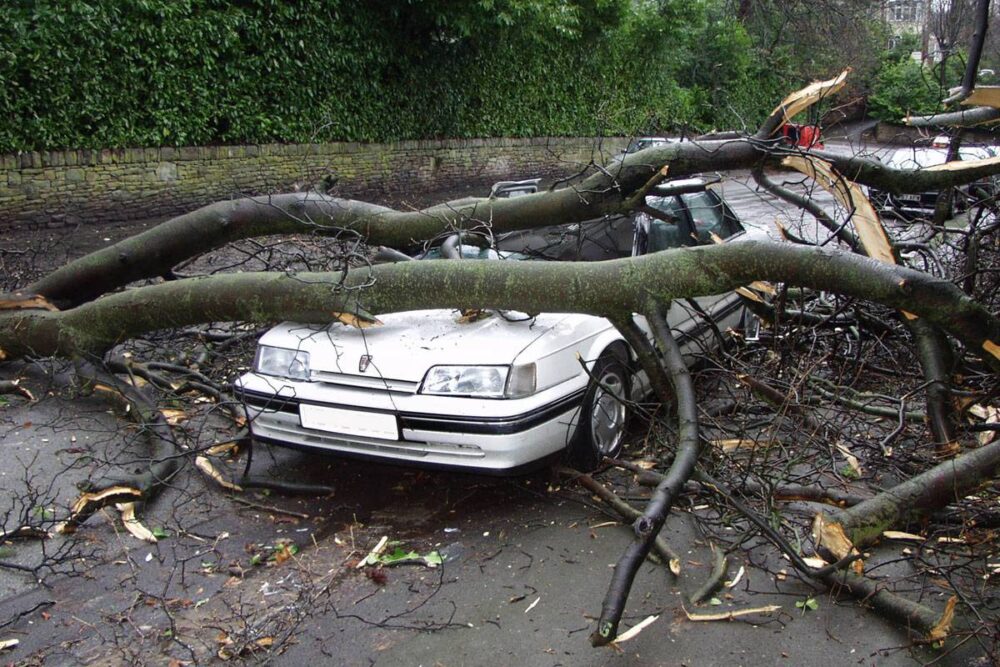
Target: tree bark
[(155, 252), (648, 526), (526, 286), (932, 490)]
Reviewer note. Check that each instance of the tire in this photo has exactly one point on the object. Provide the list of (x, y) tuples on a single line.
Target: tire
[(603, 417)]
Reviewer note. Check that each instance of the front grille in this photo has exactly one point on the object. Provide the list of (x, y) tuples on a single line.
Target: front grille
[(269, 402), (365, 382), (274, 428)]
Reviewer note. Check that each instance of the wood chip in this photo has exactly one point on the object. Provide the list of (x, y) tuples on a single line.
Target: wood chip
[(173, 416), (471, 315), (88, 503), (964, 165), (132, 524), (736, 613), (230, 447), (733, 444), (802, 99), (866, 222), (899, 535), (204, 465), (635, 630), (357, 321), (983, 96), (831, 536), (33, 302), (852, 460), (737, 578), (943, 626), (373, 555)]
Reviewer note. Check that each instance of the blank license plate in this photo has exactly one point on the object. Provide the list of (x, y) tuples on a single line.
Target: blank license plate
[(349, 422)]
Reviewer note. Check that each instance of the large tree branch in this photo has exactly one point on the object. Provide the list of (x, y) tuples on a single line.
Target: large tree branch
[(155, 252), (963, 118), (982, 16), (648, 526), (919, 496), (525, 286)]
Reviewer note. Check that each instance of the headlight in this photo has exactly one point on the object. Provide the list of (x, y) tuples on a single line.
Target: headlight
[(482, 381), (282, 362)]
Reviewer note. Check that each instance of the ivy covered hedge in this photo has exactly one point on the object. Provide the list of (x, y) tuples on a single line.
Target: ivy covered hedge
[(108, 73)]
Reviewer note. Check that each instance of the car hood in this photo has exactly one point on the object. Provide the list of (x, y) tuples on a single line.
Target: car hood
[(406, 344)]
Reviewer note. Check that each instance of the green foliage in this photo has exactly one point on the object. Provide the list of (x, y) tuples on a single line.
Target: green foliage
[(809, 604), (104, 73), (904, 47), (903, 88)]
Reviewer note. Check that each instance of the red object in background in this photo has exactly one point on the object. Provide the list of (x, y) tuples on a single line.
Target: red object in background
[(804, 136)]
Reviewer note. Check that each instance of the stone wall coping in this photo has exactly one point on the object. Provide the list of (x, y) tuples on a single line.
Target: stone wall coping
[(93, 157)]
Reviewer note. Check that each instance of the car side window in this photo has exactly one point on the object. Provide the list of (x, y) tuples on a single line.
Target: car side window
[(709, 216), (666, 234)]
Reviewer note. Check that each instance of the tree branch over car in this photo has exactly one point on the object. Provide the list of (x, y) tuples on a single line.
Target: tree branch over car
[(89, 307)]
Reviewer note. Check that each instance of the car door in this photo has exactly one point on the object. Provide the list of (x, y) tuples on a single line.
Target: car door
[(694, 218)]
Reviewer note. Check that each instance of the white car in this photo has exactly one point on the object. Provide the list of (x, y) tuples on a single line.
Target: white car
[(916, 205), (496, 394)]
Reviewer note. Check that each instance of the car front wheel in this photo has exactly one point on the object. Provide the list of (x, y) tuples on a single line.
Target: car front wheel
[(603, 418)]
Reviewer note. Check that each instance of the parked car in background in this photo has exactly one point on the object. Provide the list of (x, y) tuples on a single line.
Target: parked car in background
[(922, 205), (486, 391), (508, 189), (642, 143)]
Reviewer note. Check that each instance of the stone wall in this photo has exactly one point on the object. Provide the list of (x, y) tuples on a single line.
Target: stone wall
[(903, 135), (59, 188)]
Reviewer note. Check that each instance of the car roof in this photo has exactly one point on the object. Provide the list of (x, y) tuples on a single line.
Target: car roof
[(683, 186), (919, 157)]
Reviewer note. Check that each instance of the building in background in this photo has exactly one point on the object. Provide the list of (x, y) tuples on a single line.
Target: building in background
[(911, 17)]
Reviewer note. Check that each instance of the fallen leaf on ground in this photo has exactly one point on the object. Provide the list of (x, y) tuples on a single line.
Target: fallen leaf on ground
[(174, 417)]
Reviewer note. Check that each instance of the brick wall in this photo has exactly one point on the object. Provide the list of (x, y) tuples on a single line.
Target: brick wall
[(59, 188)]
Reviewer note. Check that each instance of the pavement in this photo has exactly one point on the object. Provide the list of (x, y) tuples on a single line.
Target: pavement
[(261, 577)]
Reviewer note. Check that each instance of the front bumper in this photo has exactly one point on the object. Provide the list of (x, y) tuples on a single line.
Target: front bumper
[(499, 436)]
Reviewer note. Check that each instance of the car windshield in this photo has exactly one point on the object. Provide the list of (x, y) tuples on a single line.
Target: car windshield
[(707, 214)]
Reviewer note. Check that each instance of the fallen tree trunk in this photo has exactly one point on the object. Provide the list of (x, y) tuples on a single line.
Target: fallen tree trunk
[(928, 492), (526, 286), (648, 526)]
